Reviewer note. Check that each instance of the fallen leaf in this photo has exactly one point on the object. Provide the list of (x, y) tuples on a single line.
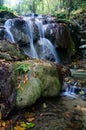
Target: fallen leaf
[(30, 119), (67, 114), (19, 128)]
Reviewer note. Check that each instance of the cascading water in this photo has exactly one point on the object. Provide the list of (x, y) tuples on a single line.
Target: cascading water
[(43, 48), (44, 42), (40, 28), (33, 52), (9, 34), (48, 44)]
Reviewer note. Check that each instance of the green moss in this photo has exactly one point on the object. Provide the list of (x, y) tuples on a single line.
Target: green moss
[(71, 46), (28, 92)]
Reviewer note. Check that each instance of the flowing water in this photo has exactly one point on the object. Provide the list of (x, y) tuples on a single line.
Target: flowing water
[(46, 47), (44, 42), (8, 26), (73, 91), (30, 35)]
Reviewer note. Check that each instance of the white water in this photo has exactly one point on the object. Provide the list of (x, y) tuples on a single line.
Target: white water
[(40, 28), (8, 26), (70, 91), (30, 35), (44, 42)]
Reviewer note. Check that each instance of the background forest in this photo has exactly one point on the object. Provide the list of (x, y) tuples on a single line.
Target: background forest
[(62, 7)]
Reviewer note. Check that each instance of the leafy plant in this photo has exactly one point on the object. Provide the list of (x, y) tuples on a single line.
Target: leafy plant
[(22, 67), (24, 126)]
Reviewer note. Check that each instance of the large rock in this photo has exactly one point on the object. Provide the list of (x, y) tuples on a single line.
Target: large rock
[(20, 29), (10, 52), (39, 79), (22, 83), (60, 35)]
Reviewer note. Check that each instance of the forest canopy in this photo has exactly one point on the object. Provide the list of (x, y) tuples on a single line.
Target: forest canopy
[(43, 6)]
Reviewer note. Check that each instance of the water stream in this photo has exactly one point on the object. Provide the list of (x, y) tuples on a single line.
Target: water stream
[(9, 34), (33, 52), (44, 42), (46, 47)]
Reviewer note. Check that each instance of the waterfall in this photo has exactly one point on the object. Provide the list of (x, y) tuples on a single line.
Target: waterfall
[(40, 28), (49, 45), (33, 52), (72, 90), (43, 48), (44, 42), (8, 26)]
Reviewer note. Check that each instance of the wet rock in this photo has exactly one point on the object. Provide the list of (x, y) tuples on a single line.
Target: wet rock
[(7, 90), (10, 52), (20, 30), (60, 35), (22, 83)]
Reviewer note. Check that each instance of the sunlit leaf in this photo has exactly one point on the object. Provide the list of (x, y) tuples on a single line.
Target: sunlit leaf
[(30, 125)]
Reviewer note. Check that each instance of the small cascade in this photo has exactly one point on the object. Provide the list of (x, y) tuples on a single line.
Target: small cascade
[(44, 42), (40, 28), (9, 34), (26, 31), (33, 52), (41, 33), (73, 90)]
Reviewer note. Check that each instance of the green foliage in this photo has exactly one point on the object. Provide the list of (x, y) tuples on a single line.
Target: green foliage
[(22, 67), (30, 125), (79, 4), (5, 8), (48, 6), (61, 14)]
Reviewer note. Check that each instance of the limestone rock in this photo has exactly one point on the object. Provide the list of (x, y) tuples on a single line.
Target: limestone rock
[(40, 79)]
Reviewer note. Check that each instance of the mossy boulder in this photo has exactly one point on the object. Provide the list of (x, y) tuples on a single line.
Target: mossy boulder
[(39, 79), (10, 52), (23, 82)]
